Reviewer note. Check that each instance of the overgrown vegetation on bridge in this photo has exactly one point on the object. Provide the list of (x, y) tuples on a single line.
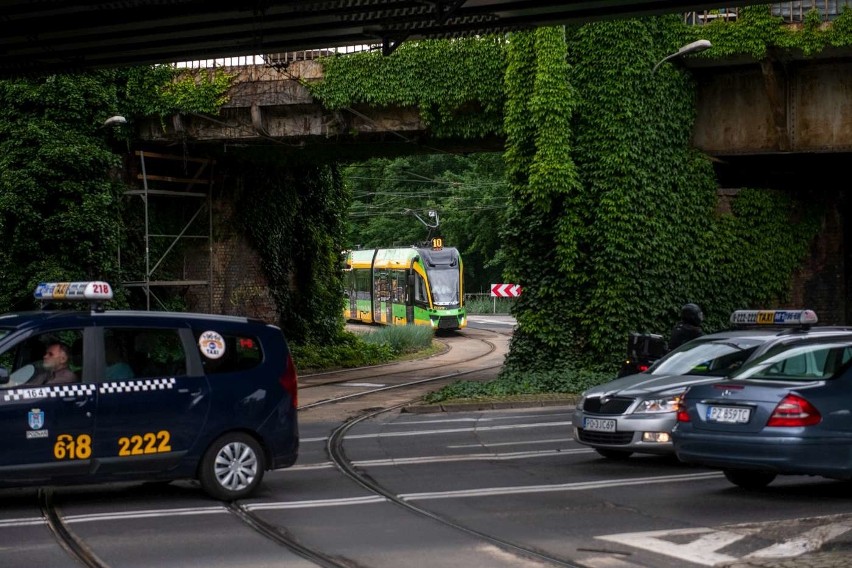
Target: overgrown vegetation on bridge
[(612, 224)]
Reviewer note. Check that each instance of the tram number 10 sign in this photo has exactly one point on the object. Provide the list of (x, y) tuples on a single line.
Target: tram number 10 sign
[(505, 290)]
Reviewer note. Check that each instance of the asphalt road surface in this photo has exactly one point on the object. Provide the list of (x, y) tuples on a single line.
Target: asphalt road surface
[(376, 486)]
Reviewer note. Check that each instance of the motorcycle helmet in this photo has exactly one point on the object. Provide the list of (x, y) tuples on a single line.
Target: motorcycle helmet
[(691, 313)]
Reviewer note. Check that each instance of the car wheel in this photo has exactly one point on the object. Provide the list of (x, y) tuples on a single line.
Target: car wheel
[(749, 479), (232, 467), (614, 454)]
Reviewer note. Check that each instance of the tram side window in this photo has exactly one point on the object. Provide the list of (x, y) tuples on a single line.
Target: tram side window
[(400, 290), (420, 290), (362, 284)]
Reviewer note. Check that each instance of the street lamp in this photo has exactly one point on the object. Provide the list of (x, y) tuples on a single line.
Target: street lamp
[(694, 47), (114, 121)]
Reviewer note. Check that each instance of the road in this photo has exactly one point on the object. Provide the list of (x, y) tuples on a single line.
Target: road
[(376, 486)]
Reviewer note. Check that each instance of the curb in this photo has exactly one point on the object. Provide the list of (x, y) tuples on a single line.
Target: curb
[(487, 405)]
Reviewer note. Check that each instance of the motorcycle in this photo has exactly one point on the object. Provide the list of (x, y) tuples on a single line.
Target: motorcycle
[(642, 350)]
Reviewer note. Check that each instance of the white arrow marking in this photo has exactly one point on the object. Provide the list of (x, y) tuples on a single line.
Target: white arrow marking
[(807, 542), (700, 551)]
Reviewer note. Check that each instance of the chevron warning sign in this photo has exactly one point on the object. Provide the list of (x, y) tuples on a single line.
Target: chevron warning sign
[(505, 290)]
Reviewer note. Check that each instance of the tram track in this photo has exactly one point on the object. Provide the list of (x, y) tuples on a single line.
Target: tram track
[(429, 370), (67, 539), (78, 549), (337, 455)]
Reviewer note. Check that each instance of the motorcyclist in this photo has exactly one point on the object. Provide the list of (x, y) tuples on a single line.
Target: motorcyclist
[(689, 326)]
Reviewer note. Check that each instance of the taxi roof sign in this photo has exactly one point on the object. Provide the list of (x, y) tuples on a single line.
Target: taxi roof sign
[(73, 291), (774, 317)]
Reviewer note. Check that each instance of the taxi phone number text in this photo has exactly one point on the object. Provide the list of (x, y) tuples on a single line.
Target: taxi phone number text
[(68, 447)]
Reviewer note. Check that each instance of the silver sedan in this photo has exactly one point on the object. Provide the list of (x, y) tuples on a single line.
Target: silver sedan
[(636, 413)]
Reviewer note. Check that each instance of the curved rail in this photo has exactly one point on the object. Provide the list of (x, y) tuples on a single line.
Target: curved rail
[(69, 541), (77, 548), (407, 384), (281, 536), (334, 448)]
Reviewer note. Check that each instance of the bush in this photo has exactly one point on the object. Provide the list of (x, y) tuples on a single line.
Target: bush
[(401, 339), (487, 305), (355, 350), (347, 351)]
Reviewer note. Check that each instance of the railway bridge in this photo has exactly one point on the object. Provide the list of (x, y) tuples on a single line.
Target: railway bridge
[(785, 124), (760, 120)]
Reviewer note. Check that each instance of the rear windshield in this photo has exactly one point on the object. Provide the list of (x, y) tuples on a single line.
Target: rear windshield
[(800, 361), (711, 357)]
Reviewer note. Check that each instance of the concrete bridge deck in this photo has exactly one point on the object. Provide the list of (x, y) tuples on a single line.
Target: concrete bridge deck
[(744, 108)]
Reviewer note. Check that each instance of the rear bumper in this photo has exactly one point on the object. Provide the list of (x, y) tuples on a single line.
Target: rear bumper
[(825, 456)]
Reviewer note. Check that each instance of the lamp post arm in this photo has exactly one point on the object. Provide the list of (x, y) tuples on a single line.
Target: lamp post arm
[(663, 60), (694, 47)]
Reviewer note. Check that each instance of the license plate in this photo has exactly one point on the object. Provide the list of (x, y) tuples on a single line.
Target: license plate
[(728, 414), (598, 425)]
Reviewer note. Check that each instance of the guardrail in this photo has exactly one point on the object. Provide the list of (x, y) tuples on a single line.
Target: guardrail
[(275, 59), (792, 12)]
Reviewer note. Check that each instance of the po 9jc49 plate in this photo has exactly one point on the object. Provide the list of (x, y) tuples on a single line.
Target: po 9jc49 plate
[(728, 414), (599, 425)]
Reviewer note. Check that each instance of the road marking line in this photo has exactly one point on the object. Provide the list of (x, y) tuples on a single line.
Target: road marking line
[(580, 486)]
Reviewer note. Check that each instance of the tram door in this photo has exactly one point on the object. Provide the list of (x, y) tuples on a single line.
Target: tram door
[(381, 297), (409, 291), (352, 292), (399, 297)]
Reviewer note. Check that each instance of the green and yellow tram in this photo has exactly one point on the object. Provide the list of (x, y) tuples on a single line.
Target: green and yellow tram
[(400, 286)]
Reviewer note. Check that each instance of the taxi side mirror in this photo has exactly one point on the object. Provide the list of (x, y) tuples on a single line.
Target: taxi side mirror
[(4, 376)]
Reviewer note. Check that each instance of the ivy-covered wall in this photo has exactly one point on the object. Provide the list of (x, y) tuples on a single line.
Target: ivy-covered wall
[(59, 205), (293, 215), (64, 216), (614, 221)]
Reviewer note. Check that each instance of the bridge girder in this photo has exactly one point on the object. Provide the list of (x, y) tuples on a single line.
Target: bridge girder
[(60, 35)]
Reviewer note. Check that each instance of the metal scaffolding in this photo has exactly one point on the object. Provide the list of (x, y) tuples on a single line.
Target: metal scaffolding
[(160, 188)]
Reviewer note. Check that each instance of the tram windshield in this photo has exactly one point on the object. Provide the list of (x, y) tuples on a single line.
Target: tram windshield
[(445, 286)]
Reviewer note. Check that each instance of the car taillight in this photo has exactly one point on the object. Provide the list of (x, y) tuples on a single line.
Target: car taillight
[(642, 367), (793, 410), (681, 413), (290, 381)]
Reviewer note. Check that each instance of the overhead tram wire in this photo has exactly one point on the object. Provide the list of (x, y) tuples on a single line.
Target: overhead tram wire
[(424, 179)]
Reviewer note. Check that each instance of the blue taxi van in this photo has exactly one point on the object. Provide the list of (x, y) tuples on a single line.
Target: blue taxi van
[(100, 395)]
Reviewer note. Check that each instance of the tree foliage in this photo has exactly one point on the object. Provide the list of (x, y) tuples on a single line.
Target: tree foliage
[(59, 206), (468, 193), (613, 220)]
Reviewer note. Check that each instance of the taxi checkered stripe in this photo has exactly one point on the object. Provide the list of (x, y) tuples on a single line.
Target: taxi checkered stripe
[(52, 391), (137, 386)]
